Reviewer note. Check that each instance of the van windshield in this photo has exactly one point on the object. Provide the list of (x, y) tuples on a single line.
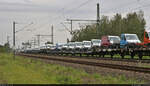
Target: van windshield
[(52, 46), (131, 37), (79, 44), (96, 41), (71, 44), (115, 39), (87, 43), (60, 45), (65, 44)]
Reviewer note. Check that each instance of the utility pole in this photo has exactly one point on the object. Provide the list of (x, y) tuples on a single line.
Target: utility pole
[(8, 47), (34, 42), (71, 26), (52, 39), (38, 39), (71, 22), (98, 13), (52, 36), (8, 39), (29, 43), (98, 19), (14, 23)]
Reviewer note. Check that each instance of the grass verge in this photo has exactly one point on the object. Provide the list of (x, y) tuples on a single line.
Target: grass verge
[(28, 71)]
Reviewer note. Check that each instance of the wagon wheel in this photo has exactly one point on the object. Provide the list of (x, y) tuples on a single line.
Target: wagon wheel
[(80, 55), (132, 55), (99, 55), (103, 54), (122, 55), (126, 47), (140, 55), (116, 46)]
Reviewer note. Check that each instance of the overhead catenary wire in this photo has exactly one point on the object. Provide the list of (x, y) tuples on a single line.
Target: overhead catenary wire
[(24, 27), (54, 18), (79, 6)]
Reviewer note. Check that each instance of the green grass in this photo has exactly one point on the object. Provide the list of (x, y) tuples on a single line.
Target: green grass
[(27, 71), (127, 56), (118, 56)]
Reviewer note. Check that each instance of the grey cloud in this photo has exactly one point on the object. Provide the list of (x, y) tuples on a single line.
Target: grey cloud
[(15, 7)]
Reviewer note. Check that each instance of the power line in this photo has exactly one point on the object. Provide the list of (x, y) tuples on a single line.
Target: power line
[(66, 28), (24, 27), (72, 9), (82, 4)]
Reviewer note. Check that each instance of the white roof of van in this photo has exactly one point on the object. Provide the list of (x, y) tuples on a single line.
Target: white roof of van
[(60, 43), (113, 36), (86, 41), (71, 42), (78, 42), (130, 34)]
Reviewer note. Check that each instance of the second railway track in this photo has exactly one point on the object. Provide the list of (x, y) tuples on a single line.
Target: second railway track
[(90, 63)]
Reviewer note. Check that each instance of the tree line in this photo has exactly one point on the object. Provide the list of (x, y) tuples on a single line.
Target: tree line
[(5, 48), (132, 23)]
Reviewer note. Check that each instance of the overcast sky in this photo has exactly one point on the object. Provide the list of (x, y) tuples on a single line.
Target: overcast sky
[(44, 13)]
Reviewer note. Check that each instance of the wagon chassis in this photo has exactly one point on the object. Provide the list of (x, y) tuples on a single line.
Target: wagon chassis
[(140, 52)]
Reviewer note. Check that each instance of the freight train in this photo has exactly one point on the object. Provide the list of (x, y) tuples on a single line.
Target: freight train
[(128, 44)]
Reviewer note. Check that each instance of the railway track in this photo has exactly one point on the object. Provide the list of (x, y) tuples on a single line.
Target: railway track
[(110, 59), (112, 66)]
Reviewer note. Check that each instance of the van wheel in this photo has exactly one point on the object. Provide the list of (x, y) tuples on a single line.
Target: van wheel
[(132, 56)]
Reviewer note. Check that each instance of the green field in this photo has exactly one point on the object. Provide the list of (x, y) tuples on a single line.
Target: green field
[(27, 71)]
